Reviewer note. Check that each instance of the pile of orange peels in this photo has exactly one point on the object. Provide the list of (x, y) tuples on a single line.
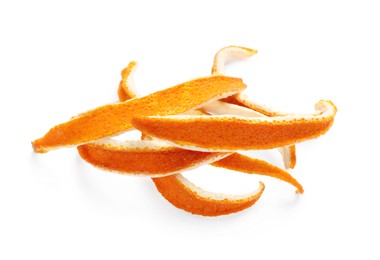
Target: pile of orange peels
[(203, 121)]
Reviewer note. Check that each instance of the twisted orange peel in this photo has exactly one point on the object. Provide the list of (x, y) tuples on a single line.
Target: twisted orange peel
[(230, 133), (174, 139), (183, 194), (198, 201), (143, 157), (230, 53), (112, 119)]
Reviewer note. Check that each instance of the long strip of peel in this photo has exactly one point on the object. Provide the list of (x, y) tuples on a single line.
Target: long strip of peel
[(127, 88), (113, 119), (144, 158), (201, 202), (154, 158), (227, 54), (231, 133), (141, 158), (288, 153), (177, 189), (242, 163)]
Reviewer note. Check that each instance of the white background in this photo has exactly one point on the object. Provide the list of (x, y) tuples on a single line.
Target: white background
[(58, 59)]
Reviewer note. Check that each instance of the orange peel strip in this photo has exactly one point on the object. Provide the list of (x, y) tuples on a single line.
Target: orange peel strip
[(126, 88), (229, 53), (116, 118), (179, 191), (242, 163), (144, 158), (230, 133), (141, 158), (198, 201), (288, 153)]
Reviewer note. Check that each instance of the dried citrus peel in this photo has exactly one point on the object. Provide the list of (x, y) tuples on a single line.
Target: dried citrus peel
[(231, 133), (230, 53), (242, 163), (222, 108), (198, 201), (235, 161), (227, 54), (127, 88), (144, 158), (179, 191), (116, 118)]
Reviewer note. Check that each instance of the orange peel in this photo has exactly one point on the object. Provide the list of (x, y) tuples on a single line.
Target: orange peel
[(229, 53), (116, 118), (230, 133), (144, 158), (141, 158), (126, 88), (176, 189), (242, 163), (198, 201), (176, 136)]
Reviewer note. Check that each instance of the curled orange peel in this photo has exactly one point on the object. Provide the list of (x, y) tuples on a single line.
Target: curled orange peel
[(242, 163), (231, 133), (157, 152), (127, 88), (144, 158), (198, 201), (229, 53), (161, 160), (141, 158), (152, 158), (116, 118)]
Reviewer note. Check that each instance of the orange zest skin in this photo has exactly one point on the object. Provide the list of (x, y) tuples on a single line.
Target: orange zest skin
[(145, 161), (242, 163), (116, 118), (176, 189), (288, 152), (230, 53), (197, 201), (195, 127), (126, 90), (142, 158), (229, 133)]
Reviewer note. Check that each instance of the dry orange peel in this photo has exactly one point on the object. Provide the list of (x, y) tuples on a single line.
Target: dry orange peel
[(230, 133), (242, 163), (116, 118), (126, 88), (144, 158), (235, 161), (230, 53), (176, 189), (202, 121), (198, 201)]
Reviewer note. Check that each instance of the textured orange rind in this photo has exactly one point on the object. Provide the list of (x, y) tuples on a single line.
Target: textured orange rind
[(126, 88), (198, 201), (230, 133), (229, 53), (144, 158), (212, 138), (242, 163), (116, 118)]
